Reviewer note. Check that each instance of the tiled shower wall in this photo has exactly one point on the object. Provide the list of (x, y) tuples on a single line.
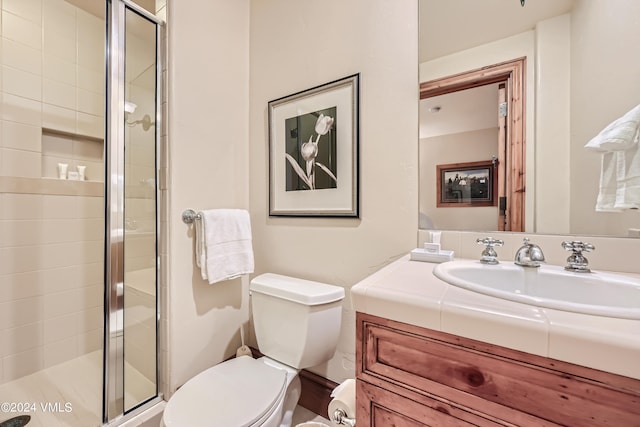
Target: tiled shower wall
[(51, 231), (51, 276)]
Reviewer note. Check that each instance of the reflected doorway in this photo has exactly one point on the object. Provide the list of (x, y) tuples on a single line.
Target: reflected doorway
[(505, 83)]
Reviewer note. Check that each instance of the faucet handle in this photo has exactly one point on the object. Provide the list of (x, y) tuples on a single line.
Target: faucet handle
[(578, 246), (489, 255), (577, 262), (490, 242)]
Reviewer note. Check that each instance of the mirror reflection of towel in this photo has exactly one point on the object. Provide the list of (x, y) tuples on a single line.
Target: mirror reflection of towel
[(224, 244), (620, 165)]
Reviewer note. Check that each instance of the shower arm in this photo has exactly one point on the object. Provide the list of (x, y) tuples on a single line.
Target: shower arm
[(145, 121)]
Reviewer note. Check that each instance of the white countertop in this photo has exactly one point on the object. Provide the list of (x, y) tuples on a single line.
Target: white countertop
[(407, 291)]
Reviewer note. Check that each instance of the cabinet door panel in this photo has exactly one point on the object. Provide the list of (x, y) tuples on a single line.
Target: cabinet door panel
[(379, 407), (510, 385)]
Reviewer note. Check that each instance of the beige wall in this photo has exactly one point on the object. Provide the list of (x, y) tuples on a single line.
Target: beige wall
[(208, 159), (218, 154), (297, 45), (461, 147), (604, 86)]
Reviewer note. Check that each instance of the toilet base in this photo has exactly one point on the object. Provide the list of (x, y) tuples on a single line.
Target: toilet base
[(291, 397)]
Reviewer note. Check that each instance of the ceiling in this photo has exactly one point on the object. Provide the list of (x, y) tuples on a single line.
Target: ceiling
[(458, 112), (451, 26), (448, 26)]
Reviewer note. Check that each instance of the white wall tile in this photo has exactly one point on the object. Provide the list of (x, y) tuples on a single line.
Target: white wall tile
[(21, 110), (22, 312), (59, 94), (20, 163), (20, 233), (21, 83), (90, 125), (90, 38), (21, 338), (51, 246), (59, 69), (58, 118), (21, 30), (20, 136), (59, 16), (91, 102), (28, 9), (21, 206), (91, 80), (61, 327), (60, 351), (21, 56), (59, 45), (19, 286), (24, 363)]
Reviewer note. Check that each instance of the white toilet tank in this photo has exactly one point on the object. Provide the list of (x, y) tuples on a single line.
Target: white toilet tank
[(297, 322)]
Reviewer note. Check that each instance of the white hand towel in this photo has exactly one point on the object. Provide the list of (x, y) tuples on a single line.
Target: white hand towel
[(628, 178), (619, 135), (607, 193), (223, 244)]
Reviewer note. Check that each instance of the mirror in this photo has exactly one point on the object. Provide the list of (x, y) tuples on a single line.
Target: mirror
[(579, 76)]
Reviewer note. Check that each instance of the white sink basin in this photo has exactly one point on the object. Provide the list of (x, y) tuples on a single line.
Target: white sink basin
[(602, 294)]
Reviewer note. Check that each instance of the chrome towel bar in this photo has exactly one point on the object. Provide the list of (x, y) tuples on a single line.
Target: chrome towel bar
[(189, 215)]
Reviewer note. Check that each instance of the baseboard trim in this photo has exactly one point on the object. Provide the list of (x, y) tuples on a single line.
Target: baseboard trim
[(316, 393), (316, 390)]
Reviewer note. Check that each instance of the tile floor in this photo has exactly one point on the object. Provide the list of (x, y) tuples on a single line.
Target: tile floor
[(57, 385), (302, 415)]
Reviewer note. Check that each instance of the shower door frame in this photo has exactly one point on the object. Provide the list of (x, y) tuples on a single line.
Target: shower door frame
[(114, 411)]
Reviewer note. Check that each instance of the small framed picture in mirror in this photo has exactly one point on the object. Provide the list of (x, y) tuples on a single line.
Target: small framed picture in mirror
[(467, 184)]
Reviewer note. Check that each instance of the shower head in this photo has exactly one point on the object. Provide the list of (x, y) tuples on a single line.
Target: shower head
[(145, 121), (130, 107)]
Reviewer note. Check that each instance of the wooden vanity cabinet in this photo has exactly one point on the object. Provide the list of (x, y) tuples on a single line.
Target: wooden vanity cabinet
[(412, 376)]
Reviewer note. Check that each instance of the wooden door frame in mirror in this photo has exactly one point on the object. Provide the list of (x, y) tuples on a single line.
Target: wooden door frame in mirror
[(513, 74)]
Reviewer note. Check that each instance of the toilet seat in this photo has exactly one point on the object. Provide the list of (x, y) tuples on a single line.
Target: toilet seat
[(239, 392)]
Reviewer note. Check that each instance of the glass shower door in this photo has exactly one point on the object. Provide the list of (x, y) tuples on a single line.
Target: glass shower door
[(132, 169), (140, 213)]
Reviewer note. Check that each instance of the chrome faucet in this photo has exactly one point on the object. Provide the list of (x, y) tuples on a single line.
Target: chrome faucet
[(577, 262), (529, 255), (489, 255)]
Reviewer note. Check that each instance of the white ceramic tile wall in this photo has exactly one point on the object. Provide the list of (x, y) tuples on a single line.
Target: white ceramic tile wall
[(52, 76), (51, 245), (51, 280)]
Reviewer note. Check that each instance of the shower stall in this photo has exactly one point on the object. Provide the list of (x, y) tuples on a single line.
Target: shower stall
[(79, 210)]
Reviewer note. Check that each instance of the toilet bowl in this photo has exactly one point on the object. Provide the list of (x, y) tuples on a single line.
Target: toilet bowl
[(240, 392), (297, 324)]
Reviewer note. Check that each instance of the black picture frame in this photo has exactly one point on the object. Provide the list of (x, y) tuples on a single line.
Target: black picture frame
[(467, 184), (314, 151)]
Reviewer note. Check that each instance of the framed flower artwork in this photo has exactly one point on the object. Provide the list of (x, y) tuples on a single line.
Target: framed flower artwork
[(313, 151)]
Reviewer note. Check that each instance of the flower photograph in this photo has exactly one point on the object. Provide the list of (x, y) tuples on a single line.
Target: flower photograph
[(311, 151)]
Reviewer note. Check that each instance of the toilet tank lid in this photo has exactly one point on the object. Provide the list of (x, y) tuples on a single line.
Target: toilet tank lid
[(301, 291)]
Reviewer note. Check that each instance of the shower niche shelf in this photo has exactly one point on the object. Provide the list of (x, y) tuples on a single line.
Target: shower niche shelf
[(74, 150)]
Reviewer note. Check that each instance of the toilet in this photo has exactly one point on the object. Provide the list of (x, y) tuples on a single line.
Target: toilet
[(297, 325)]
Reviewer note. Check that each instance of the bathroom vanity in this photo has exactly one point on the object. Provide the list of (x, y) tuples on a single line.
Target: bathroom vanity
[(431, 354)]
